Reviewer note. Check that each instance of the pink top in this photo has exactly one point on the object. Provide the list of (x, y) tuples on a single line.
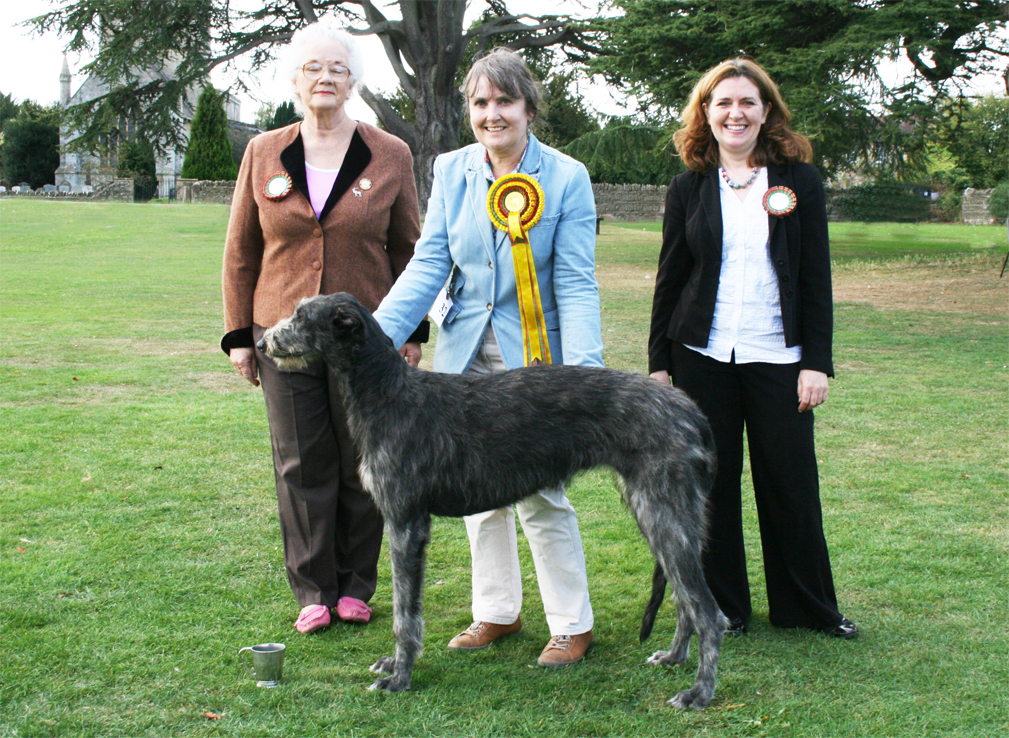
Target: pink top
[(320, 184)]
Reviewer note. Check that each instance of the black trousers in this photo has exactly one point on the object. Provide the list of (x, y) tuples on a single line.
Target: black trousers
[(331, 529), (763, 399)]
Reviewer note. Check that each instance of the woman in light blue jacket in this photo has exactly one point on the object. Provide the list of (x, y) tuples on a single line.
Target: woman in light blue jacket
[(481, 332)]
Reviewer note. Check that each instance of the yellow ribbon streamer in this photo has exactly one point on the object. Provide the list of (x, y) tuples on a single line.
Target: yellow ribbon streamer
[(515, 204)]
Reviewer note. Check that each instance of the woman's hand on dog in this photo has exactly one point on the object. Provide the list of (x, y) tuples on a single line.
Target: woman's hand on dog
[(244, 360), (661, 376), (411, 352)]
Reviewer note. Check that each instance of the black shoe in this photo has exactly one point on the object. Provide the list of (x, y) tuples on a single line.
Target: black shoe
[(736, 627), (845, 629)]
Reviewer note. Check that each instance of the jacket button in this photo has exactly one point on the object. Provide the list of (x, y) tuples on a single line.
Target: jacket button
[(489, 306), (784, 277), (316, 265), (789, 294), (490, 264), (781, 262), (317, 233)]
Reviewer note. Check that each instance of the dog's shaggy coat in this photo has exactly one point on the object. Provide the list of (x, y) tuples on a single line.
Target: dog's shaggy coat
[(441, 444)]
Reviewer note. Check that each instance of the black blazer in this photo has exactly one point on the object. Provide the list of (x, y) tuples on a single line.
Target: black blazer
[(691, 258)]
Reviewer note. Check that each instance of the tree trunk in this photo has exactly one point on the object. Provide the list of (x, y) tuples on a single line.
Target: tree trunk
[(430, 40)]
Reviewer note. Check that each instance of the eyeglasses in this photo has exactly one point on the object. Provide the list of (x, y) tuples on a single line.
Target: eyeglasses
[(314, 70)]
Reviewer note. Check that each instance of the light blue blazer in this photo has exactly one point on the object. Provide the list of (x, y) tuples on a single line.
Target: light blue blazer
[(458, 231)]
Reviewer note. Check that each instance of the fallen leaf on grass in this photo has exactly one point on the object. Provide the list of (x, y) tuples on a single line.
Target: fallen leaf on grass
[(20, 550), (212, 716)]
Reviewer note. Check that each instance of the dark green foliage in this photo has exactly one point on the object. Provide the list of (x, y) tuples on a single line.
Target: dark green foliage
[(565, 117), (879, 202), (627, 154), (209, 155), (824, 55), (30, 149), (998, 205), (8, 109), (975, 132), (136, 161), (284, 115)]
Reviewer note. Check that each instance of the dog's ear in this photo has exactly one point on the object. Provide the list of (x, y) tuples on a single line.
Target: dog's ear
[(345, 320)]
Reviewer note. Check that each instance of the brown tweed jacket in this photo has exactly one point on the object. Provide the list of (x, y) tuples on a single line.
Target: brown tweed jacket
[(277, 252)]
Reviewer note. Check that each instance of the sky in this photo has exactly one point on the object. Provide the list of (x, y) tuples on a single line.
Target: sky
[(31, 66)]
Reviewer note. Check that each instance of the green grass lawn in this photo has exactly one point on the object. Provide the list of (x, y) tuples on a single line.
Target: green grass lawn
[(139, 548), (867, 241)]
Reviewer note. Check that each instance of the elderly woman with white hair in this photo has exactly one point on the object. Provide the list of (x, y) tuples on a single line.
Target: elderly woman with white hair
[(325, 205)]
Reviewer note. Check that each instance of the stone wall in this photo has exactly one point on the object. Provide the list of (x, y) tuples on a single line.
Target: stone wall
[(118, 190), (630, 202), (975, 206), (215, 192)]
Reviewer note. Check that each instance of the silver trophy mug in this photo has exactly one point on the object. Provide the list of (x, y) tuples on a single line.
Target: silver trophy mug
[(267, 663)]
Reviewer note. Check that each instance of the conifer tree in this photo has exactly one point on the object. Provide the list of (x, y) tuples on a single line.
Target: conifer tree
[(284, 115), (208, 155)]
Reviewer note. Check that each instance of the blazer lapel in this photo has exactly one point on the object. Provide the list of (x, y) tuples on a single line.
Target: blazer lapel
[(293, 159), (358, 157), (776, 177), (711, 201), (477, 189)]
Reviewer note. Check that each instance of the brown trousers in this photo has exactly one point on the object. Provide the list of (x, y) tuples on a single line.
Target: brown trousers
[(331, 529)]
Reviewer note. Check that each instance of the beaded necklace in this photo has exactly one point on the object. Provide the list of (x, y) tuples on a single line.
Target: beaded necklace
[(737, 185)]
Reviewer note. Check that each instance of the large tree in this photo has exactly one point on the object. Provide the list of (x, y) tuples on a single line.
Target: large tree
[(425, 46), (208, 155), (825, 55), (29, 145)]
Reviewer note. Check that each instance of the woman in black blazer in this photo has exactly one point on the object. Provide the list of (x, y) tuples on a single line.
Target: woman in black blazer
[(742, 321)]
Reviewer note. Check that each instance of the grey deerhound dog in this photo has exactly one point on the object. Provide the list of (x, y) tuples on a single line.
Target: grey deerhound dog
[(450, 444)]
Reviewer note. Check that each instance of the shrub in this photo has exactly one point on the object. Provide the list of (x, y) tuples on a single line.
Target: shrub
[(884, 201), (998, 205), (209, 155)]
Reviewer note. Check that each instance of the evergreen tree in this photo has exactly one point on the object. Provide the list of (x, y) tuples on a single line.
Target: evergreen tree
[(626, 154), (284, 115), (30, 149), (136, 161), (8, 108), (208, 155)]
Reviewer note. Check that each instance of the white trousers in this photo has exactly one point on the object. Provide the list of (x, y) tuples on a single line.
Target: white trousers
[(549, 523)]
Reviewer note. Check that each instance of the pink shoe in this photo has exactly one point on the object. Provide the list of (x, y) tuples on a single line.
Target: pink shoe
[(352, 610), (312, 618)]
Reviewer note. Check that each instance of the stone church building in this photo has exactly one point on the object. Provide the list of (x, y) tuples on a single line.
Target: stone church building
[(85, 172)]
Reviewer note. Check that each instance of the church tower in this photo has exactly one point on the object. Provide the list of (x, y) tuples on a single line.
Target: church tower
[(65, 84)]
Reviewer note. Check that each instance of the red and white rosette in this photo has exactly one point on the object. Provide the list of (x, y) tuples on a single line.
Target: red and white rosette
[(779, 201), (277, 185)]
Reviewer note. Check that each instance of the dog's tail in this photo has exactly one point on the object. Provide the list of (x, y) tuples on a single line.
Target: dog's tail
[(652, 608)]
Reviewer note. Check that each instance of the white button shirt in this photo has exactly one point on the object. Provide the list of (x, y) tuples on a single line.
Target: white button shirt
[(747, 316)]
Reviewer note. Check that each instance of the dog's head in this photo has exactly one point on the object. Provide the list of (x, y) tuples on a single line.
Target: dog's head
[(333, 328)]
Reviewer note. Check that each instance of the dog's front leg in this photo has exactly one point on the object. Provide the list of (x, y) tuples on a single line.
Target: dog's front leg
[(407, 544)]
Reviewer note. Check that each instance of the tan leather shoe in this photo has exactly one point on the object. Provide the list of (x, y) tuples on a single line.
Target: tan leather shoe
[(480, 635), (564, 649)]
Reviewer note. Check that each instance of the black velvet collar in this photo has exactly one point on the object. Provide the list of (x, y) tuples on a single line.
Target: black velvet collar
[(358, 157)]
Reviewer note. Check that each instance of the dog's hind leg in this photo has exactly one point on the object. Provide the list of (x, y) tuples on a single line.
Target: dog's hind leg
[(676, 545), (696, 611), (406, 551)]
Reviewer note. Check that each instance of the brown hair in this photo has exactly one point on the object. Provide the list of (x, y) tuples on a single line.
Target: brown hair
[(506, 70), (776, 143)]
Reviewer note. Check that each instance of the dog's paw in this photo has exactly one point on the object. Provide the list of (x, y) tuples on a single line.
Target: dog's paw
[(385, 665), (394, 683), (690, 698), (665, 658)]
